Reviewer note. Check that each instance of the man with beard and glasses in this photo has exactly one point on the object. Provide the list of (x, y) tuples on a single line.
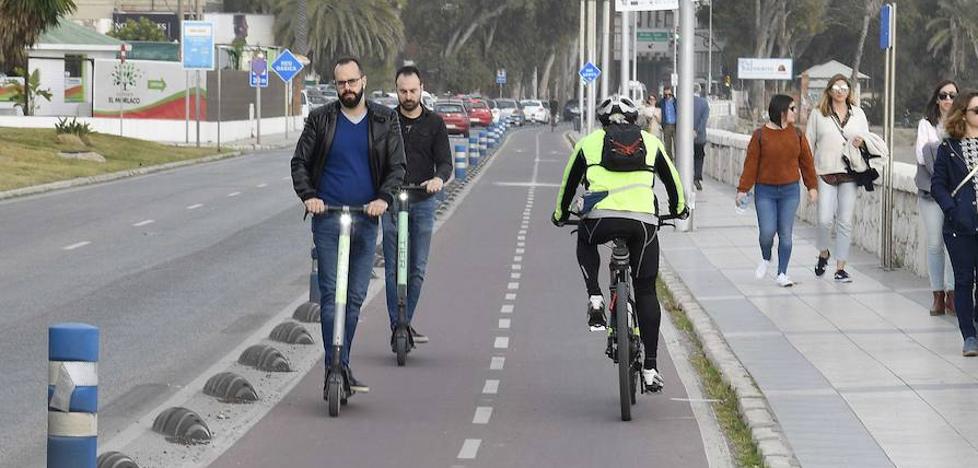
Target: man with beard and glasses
[(429, 164), (350, 153)]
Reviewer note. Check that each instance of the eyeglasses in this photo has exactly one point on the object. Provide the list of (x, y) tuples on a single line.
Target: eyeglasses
[(946, 96), (346, 83), (840, 88)]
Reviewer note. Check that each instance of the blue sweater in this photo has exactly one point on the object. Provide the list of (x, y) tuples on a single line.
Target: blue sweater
[(346, 175)]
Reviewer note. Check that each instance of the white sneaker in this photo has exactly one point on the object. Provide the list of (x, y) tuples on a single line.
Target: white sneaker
[(784, 281), (653, 381), (761, 268)]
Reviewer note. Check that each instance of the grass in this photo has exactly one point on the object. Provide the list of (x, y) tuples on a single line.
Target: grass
[(29, 156), (745, 451)]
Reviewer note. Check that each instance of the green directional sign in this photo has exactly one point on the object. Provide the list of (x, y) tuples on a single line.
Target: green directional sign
[(653, 36), (158, 85)]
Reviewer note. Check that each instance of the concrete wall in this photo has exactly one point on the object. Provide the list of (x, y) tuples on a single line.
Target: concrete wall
[(725, 161), (167, 131)]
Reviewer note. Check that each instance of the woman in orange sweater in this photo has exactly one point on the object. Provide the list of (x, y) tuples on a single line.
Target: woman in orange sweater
[(778, 156)]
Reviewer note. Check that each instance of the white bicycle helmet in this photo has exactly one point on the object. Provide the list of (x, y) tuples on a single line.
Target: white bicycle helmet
[(617, 109)]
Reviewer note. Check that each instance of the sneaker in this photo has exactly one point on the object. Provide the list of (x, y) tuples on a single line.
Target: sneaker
[(653, 380), (842, 277), (761, 268), (595, 314), (970, 347), (356, 385), (784, 281), (698, 184), (417, 337), (822, 263)]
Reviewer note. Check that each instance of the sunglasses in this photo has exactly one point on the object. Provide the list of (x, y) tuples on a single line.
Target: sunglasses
[(346, 83), (792, 108), (947, 96), (840, 88)]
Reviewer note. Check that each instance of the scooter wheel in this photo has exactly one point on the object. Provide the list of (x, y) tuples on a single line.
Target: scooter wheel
[(401, 348), (333, 394)]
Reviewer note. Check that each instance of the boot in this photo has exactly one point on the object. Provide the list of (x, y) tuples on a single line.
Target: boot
[(939, 304), (949, 304)]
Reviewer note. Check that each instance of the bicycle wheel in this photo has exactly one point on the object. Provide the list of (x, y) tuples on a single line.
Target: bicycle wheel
[(401, 346), (624, 361), (333, 388)]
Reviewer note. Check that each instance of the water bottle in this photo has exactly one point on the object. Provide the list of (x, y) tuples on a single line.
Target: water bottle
[(741, 207)]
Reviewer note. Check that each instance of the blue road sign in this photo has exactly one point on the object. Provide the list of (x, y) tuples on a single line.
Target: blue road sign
[(286, 66), (197, 45), (500, 76), (886, 19), (259, 73), (589, 72)]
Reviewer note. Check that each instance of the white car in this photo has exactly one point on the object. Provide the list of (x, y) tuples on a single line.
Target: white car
[(535, 111)]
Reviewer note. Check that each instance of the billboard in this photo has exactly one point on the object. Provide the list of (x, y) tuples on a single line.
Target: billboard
[(144, 89), (166, 21), (764, 69)]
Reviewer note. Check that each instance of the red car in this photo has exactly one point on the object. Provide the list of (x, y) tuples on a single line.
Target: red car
[(479, 113), (455, 117)]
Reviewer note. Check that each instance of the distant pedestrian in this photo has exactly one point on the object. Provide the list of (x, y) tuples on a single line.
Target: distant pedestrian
[(650, 116), (833, 124), (930, 132), (953, 187), (778, 156), (701, 114), (670, 116)]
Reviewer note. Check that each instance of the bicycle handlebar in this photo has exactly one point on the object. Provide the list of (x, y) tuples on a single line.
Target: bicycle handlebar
[(411, 187), (662, 219)]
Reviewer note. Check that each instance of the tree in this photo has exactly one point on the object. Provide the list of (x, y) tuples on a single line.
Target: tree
[(23, 21), (364, 28), (26, 94), (142, 30), (872, 8), (953, 32)]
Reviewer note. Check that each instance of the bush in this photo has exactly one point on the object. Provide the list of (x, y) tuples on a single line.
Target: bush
[(74, 127)]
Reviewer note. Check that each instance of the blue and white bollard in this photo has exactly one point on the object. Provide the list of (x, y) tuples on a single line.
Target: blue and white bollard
[(72, 395), (483, 143), (461, 162), (473, 150), (491, 138)]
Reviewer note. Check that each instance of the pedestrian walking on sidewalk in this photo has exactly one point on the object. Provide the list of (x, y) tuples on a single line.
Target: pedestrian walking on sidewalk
[(650, 116), (778, 156), (350, 153), (670, 116), (953, 187), (701, 114), (930, 132), (429, 164), (833, 124)]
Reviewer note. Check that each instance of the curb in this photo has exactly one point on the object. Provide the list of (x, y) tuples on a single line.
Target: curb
[(82, 181), (753, 405), (754, 408)]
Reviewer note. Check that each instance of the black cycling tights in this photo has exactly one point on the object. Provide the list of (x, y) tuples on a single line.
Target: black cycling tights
[(643, 251)]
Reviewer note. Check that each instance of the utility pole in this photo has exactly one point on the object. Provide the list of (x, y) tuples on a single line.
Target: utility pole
[(592, 46), (580, 65), (625, 36), (606, 40), (684, 129)]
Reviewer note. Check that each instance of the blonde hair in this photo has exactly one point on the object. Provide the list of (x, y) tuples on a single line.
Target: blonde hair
[(825, 102)]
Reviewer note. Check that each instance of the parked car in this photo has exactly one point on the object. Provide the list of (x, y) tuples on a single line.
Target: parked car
[(510, 109), (571, 110), (535, 111), (455, 117), (388, 101), (479, 113)]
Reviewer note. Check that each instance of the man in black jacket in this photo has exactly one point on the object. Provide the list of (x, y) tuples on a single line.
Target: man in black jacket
[(429, 163), (350, 153)]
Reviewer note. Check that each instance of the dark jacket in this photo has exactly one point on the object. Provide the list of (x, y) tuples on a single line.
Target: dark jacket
[(427, 149), (386, 149), (960, 211)]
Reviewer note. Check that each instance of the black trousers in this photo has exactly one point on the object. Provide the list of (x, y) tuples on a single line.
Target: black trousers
[(699, 154), (643, 251)]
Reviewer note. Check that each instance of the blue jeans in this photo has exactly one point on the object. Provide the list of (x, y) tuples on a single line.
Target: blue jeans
[(363, 238), (776, 206), (938, 262), (421, 216)]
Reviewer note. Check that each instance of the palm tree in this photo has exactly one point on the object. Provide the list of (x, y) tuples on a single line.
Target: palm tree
[(366, 28), (954, 31), (23, 21)]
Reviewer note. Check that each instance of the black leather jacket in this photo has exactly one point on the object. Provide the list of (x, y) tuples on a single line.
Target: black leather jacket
[(387, 164)]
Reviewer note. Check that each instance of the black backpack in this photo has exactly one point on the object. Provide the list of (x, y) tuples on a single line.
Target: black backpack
[(624, 149)]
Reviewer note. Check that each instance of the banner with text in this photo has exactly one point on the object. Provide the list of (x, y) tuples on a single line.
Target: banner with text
[(145, 89)]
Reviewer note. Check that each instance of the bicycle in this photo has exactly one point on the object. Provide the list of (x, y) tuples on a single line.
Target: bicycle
[(337, 381), (624, 323), (403, 342)]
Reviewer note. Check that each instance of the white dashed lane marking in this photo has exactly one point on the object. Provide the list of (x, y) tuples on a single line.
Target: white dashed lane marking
[(504, 323), (497, 363), (482, 415), (514, 285), (517, 266), (502, 342), (506, 309), (143, 223), (491, 387), (470, 449), (76, 245), (262, 185), (234, 194), (195, 206), (511, 296)]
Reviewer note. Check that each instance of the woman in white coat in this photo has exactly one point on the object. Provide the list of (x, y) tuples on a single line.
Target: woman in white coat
[(833, 124)]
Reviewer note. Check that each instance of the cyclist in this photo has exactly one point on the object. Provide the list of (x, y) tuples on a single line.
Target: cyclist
[(617, 165)]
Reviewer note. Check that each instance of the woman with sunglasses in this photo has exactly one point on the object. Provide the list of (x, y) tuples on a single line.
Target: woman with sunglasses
[(953, 187), (930, 132), (833, 124)]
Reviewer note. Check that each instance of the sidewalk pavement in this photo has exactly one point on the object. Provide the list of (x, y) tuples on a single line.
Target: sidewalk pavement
[(856, 374)]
